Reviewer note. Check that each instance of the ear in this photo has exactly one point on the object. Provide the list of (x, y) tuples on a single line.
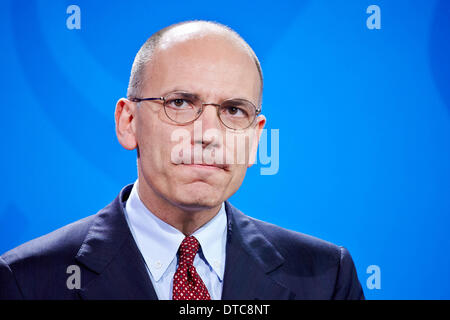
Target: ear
[(125, 123), (260, 122)]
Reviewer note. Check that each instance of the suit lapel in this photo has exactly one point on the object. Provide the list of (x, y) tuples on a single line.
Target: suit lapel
[(109, 250), (250, 258)]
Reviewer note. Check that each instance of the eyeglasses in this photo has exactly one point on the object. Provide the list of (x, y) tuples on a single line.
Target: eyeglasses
[(184, 108)]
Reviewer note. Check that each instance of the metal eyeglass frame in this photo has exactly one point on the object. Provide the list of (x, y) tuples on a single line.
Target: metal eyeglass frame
[(218, 105)]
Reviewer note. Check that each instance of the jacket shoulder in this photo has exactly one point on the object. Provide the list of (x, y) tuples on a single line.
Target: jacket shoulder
[(290, 242), (325, 268), (38, 268), (57, 244)]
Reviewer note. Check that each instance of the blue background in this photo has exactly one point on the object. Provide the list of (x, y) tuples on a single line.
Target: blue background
[(364, 152)]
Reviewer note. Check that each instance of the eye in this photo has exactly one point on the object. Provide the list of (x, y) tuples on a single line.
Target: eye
[(179, 103), (234, 111)]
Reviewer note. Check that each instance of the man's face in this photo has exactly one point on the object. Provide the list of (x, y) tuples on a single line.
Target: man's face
[(214, 69)]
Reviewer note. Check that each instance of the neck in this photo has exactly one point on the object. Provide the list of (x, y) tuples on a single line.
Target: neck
[(182, 217)]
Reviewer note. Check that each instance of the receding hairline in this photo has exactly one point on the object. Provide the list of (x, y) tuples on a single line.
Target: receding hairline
[(184, 31)]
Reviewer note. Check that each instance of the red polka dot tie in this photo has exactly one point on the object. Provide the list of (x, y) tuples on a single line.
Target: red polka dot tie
[(187, 284)]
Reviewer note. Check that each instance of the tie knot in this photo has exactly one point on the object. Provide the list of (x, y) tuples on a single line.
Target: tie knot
[(188, 249)]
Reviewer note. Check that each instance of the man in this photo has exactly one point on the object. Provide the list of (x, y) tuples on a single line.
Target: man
[(195, 90)]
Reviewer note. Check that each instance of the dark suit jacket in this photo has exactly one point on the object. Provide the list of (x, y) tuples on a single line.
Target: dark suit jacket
[(263, 261)]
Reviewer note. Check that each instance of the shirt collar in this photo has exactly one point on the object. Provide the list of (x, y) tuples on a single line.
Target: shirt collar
[(159, 242), (212, 237)]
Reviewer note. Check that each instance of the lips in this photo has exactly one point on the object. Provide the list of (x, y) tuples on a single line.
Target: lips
[(198, 158), (201, 160), (206, 166)]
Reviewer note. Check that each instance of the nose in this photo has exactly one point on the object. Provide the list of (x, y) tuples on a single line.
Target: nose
[(209, 116), (210, 125)]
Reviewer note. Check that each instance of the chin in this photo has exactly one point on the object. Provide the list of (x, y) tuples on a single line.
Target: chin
[(199, 195)]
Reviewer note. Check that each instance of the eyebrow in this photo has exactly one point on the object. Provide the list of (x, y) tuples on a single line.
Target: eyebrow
[(189, 95), (185, 94)]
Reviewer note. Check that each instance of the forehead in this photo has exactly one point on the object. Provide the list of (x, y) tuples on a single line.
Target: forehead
[(209, 64)]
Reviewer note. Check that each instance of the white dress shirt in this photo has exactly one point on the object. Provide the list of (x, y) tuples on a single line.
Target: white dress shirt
[(159, 243)]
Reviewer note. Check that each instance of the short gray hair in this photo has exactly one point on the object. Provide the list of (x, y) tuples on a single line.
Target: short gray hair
[(145, 54)]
